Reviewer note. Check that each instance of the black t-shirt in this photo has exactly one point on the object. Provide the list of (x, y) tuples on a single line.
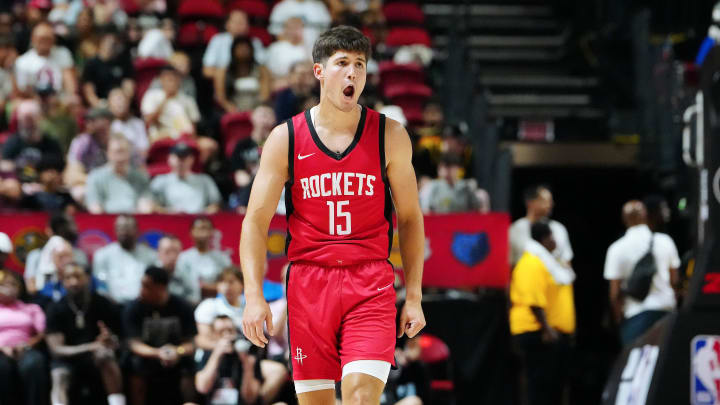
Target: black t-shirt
[(106, 75), (62, 319), (16, 147), (246, 153), (172, 323), (229, 377)]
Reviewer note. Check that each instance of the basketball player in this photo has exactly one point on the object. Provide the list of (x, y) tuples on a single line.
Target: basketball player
[(338, 161)]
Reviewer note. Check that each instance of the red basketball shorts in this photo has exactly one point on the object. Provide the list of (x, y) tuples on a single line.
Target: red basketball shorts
[(337, 315)]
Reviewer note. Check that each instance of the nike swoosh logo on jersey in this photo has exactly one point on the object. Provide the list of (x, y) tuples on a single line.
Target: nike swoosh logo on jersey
[(387, 286), (301, 157)]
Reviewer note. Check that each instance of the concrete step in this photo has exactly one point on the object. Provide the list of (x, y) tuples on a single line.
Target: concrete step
[(546, 112), (539, 99), (488, 10), (516, 55), (538, 80)]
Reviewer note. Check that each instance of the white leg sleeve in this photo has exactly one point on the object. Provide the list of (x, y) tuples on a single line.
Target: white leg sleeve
[(313, 385), (376, 368)]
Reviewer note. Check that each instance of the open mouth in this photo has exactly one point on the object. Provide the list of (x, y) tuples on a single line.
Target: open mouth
[(349, 91)]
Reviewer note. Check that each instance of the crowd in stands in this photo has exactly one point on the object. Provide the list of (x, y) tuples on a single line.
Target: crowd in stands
[(163, 106)]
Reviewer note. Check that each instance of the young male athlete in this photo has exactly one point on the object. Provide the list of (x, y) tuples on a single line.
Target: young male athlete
[(338, 162)]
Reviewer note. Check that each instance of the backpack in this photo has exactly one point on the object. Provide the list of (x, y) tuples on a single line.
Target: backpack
[(638, 284)]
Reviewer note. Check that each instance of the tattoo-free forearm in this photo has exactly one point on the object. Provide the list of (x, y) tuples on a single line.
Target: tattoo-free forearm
[(412, 243)]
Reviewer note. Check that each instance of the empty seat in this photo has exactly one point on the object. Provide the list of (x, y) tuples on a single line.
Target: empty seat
[(255, 9), (234, 128), (146, 70), (197, 9), (403, 13), (399, 36)]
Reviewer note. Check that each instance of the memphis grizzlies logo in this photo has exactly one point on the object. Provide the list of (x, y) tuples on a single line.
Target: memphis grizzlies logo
[(705, 371), (470, 248)]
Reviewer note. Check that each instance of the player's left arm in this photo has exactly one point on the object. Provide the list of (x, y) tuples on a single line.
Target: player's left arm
[(400, 172)]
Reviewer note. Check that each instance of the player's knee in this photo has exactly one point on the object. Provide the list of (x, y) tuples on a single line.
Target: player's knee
[(361, 395)]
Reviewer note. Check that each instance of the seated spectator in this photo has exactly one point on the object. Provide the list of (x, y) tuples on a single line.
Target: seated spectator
[(542, 316), (287, 50), (87, 151), (449, 192), (156, 43), (168, 250), (10, 190), (111, 68), (120, 265), (313, 12), (409, 384), (228, 302), (218, 52), (23, 368), (48, 274), (245, 158), (82, 335), (28, 146), (229, 373), (160, 330), (182, 191), (127, 124), (58, 120), (54, 291), (201, 264), (118, 186), (182, 64), (172, 114), (301, 85), (244, 83), (38, 263), (45, 65), (49, 193), (7, 59), (84, 38)]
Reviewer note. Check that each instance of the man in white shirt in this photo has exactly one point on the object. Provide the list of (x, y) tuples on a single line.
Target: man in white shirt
[(285, 52), (45, 65), (622, 256), (217, 55), (313, 13), (167, 111), (539, 204), (121, 265)]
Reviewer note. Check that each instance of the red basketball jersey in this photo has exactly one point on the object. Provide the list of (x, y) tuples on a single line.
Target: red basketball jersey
[(338, 204)]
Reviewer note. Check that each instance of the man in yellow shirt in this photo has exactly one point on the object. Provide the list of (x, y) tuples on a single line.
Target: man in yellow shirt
[(542, 317)]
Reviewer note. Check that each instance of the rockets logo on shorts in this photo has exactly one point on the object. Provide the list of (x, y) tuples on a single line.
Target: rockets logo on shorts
[(705, 370), (299, 356)]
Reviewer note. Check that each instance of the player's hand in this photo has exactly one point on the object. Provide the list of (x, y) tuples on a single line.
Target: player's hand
[(257, 312), (412, 319)]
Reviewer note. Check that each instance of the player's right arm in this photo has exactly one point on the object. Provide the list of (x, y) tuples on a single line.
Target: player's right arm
[(264, 196)]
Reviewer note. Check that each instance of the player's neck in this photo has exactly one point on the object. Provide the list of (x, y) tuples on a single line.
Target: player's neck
[(331, 118)]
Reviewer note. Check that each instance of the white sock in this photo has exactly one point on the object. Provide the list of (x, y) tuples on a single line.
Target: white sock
[(116, 399)]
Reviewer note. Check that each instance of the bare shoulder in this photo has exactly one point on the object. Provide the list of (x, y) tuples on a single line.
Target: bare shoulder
[(276, 145), (397, 141)]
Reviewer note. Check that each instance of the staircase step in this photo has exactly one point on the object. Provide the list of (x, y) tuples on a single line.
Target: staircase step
[(539, 99), (546, 112), (516, 55), (537, 80), (496, 10)]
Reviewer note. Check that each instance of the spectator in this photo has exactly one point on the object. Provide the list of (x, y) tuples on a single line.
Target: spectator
[(244, 83), (228, 302), (45, 65), (286, 51), (49, 194), (6, 249), (28, 146), (410, 383), (228, 373), (87, 150), (636, 317), (245, 158), (182, 190), (58, 120), (120, 265), (301, 85), (82, 335), (313, 12), (127, 124), (169, 248), (218, 53), (54, 291), (49, 273), (10, 189), (111, 68), (84, 37), (201, 264), (539, 204), (181, 62), (160, 330), (542, 319), (7, 59), (23, 368), (172, 114), (156, 43), (38, 260), (118, 186), (449, 192)]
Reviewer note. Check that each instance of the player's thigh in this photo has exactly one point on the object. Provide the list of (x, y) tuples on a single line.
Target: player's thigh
[(321, 397), (360, 388)]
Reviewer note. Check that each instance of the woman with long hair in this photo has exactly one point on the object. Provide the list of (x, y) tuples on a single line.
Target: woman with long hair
[(244, 84)]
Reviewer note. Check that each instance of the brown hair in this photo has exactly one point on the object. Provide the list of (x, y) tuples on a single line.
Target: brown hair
[(340, 38), (233, 271)]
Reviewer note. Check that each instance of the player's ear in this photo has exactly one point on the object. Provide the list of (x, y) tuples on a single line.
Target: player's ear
[(318, 70)]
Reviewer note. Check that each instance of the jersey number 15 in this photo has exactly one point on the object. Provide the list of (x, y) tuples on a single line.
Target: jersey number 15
[(336, 210)]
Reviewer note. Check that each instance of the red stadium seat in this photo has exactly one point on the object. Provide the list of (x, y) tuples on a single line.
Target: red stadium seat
[(130, 6), (411, 98), (234, 128), (157, 158), (399, 36), (145, 71), (436, 355), (433, 349), (394, 74), (262, 34), (403, 13), (197, 33), (194, 9), (255, 9)]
